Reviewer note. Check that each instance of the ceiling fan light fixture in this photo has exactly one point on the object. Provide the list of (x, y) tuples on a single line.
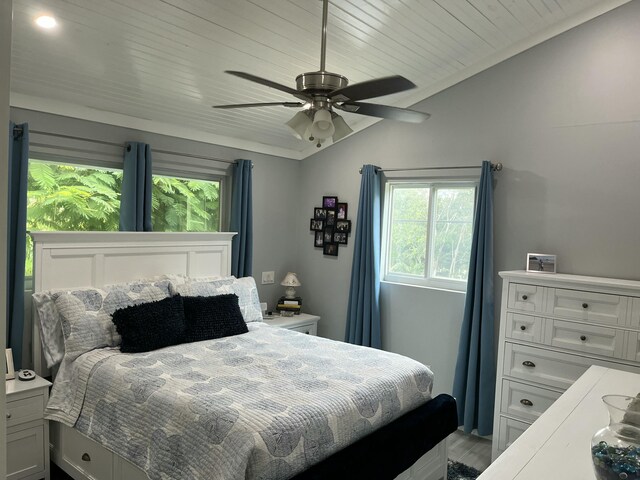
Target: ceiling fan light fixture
[(341, 127), (322, 126), (299, 124)]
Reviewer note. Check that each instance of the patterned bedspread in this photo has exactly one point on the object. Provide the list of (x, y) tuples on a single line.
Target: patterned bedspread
[(263, 405)]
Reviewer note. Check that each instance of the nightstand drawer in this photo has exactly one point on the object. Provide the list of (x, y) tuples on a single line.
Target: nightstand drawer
[(526, 401), (311, 329), (585, 338), (592, 307), (550, 368), (25, 455), (25, 410)]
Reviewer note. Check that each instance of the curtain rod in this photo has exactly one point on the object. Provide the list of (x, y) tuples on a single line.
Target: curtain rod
[(18, 129), (496, 167)]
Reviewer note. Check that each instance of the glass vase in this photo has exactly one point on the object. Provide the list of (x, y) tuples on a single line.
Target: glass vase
[(615, 449)]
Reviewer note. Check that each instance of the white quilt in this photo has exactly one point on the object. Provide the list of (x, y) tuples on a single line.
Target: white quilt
[(263, 405)]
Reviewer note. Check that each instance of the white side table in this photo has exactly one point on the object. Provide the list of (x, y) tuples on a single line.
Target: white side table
[(27, 430), (304, 323)]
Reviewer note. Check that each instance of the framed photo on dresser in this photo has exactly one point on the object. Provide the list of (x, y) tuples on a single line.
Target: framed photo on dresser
[(9, 372)]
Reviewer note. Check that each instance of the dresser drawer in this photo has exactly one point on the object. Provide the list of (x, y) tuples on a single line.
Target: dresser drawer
[(25, 453), (25, 410), (592, 307), (585, 338), (633, 347), (524, 327), (550, 368), (526, 401), (635, 312), (510, 430), (526, 298)]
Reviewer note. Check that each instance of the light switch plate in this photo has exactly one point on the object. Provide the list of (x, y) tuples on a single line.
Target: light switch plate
[(268, 277)]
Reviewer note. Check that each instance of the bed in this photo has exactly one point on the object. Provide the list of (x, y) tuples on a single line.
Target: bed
[(381, 449)]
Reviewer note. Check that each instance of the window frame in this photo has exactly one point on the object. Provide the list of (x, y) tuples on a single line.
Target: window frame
[(426, 280)]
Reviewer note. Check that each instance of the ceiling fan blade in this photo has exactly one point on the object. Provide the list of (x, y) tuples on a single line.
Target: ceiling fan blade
[(384, 111), (372, 88), (266, 104), (268, 83)]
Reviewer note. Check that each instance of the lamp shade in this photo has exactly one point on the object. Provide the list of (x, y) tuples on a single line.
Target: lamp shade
[(299, 124), (322, 125), (341, 127), (290, 281)]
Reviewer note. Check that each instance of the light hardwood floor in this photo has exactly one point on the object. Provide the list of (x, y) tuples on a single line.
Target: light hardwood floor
[(470, 449)]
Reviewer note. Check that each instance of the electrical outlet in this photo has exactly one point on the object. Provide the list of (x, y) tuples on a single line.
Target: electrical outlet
[(268, 277)]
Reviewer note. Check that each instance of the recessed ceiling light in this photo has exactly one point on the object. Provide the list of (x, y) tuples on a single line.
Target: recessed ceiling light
[(46, 21)]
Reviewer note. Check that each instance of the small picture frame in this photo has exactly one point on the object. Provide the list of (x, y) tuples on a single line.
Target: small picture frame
[(327, 235), (329, 202), (343, 226), (330, 249), (316, 225), (341, 210), (319, 239), (319, 213), (9, 371), (331, 217), (541, 263), (339, 237)]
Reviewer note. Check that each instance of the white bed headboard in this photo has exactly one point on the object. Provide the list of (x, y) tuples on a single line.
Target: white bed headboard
[(83, 259)]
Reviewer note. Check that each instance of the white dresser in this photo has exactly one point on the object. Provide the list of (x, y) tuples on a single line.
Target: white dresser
[(553, 327)]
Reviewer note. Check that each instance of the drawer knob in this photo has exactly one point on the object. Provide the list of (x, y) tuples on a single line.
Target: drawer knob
[(585, 305), (526, 402), (86, 457), (524, 297), (583, 337), (523, 327), (8, 415), (528, 363)]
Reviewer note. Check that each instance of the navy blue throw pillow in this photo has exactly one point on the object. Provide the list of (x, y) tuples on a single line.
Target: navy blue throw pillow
[(207, 318), (149, 326)]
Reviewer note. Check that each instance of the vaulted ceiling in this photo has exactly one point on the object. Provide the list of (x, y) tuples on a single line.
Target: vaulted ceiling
[(158, 65)]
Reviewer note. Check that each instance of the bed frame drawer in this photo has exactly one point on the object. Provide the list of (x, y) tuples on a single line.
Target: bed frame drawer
[(86, 455)]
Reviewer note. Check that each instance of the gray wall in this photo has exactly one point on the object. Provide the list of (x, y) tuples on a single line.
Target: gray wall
[(563, 117), (5, 60)]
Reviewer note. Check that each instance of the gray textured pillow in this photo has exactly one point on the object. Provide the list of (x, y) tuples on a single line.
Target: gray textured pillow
[(48, 316), (245, 288), (86, 317)]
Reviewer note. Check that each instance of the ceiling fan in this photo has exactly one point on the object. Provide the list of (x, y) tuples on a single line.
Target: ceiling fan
[(321, 92)]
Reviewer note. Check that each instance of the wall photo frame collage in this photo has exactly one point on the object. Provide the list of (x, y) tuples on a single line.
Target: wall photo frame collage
[(330, 225)]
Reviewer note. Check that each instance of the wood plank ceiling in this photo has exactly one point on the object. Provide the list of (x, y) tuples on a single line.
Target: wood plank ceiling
[(158, 65)]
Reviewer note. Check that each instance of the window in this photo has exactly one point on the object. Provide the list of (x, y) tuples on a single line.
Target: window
[(428, 232), (68, 197), (185, 205)]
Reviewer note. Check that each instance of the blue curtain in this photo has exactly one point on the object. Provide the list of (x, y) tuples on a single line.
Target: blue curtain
[(17, 236), (475, 376), (137, 183), (363, 314), (241, 219)]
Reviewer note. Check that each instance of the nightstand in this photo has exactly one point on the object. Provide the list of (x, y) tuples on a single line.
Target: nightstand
[(27, 430), (303, 323)]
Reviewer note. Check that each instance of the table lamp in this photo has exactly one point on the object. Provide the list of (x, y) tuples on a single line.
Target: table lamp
[(290, 281)]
